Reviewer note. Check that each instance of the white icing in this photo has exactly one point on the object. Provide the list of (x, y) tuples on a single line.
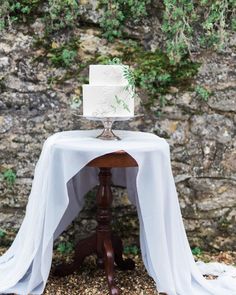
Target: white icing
[(107, 75), (107, 101), (108, 93)]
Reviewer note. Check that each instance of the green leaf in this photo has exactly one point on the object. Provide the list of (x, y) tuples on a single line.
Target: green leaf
[(114, 61), (202, 92), (125, 106), (196, 251), (117, 13), (2, 233), (118, 100), (9, 176), (131, 250), (25, 10), (65, 247)]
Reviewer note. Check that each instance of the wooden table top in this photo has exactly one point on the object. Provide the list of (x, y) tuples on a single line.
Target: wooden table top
[(115, 159)]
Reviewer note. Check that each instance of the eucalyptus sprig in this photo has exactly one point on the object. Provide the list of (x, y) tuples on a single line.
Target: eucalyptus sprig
[(129, 76), (115, 61), (127, 73)]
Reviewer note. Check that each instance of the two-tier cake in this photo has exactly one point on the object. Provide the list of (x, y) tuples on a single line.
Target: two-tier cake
[(108, 93)]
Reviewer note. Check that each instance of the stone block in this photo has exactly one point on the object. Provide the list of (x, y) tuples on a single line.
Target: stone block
[(213, 126)]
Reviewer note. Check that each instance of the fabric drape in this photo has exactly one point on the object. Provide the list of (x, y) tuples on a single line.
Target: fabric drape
[(60, 182)]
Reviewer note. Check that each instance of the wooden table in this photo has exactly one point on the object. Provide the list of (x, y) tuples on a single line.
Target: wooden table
[(107, 245)]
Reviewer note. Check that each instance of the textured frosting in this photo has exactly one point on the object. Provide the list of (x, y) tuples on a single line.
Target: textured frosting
[(107, 101), (107, 75), (107, 94)]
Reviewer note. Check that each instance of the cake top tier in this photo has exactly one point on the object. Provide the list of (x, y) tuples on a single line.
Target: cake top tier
[(107, 75)]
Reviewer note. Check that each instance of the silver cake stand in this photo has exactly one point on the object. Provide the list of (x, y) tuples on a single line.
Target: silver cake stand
[(107, 133)]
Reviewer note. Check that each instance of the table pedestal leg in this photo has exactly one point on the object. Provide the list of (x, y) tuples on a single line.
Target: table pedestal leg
[(105, 250), (127, 264), (83, 249), (106, 245), (109, 267)]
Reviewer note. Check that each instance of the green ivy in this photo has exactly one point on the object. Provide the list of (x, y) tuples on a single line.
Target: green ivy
[(178, 16), (215, 23), (202, 93), (196, 251), (65, 247), (118, 13), (156, 74), (9, 176), (133, 249), (61, 14), (2, 233), (60, 55), (4, 14), (187, 22), (233, 24), (63, 57), (16, 11), (153, 71)]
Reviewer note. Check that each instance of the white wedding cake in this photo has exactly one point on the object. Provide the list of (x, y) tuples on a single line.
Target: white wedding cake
[(108, 93)]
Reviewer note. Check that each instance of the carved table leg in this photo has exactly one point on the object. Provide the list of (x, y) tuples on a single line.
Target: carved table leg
[(107, 246), (104, 244), (109, 267), (83, 249), (127, 264)]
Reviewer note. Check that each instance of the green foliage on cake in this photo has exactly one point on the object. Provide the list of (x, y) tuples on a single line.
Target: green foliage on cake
[(127, 72), (130, 87)]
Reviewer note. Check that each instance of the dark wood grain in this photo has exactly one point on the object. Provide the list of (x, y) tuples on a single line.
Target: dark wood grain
[(111, 160)]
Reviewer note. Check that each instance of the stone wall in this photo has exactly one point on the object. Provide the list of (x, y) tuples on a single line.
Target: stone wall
[(201, 134)]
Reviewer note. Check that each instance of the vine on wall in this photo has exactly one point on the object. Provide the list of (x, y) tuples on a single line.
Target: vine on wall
[(16, 11), (178, 17), (153, 72), (218, 17), (62, 14), (186, 23), (57, 14), (118, 13), (205, 22)]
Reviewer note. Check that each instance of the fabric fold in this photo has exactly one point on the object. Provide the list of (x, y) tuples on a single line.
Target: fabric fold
[(57, 196)]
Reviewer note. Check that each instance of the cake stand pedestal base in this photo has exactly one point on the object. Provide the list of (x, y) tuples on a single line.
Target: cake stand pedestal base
[(107, 133)]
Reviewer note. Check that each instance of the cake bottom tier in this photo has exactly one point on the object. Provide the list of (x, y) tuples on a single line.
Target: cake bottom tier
[(107, 101)]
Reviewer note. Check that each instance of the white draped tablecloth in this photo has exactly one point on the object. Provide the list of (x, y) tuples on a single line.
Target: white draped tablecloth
[(60, 182)]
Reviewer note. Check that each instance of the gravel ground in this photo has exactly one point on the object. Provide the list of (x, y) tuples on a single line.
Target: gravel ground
[(90, 281)]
